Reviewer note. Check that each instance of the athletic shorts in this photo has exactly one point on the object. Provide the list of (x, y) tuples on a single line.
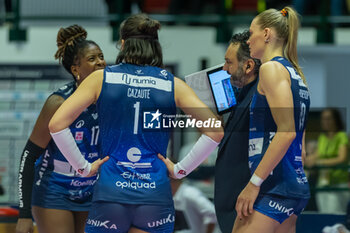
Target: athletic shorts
[(108, 217), (61, 193), (278, 207)]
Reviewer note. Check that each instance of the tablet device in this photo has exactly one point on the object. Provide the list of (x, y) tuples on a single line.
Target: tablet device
[(219, 82)]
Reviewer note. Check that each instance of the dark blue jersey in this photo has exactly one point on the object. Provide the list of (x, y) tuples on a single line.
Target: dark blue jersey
[(131, 103), (53, 171), (288, 177)]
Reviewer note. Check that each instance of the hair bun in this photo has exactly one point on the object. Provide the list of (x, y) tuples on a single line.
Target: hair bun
[(67, 37), (149, 26)]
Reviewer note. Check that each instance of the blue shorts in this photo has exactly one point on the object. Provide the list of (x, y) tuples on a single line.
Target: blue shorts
[(107, 217), (278, 207), (55, 191)]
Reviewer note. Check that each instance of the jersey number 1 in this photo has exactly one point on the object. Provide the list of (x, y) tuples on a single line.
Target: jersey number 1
[(136, 119)]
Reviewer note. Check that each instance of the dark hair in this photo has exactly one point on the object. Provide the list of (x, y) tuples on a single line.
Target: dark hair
[(71, 43), (339, 124), (141, 45), (243, 52)]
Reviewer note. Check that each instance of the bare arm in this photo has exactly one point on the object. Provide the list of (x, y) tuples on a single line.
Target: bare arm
[(86, 94), (41, 134), (275, 84), (189, 102)]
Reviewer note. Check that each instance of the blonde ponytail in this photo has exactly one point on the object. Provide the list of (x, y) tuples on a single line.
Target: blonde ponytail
[(290, 48), (286, 23)]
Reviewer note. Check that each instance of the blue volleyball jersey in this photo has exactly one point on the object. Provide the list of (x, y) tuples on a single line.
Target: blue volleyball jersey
[(130, 106), (53, 173), (288, 178)]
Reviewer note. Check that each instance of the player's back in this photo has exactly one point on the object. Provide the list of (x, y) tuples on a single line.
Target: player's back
[(130, 106)]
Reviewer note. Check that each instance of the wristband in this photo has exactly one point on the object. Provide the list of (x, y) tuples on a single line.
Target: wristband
[(256, 180)]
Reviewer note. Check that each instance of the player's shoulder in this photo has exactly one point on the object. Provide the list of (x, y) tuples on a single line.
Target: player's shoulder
[(272, 66), (272, 71), (65, 90), (54, 101)]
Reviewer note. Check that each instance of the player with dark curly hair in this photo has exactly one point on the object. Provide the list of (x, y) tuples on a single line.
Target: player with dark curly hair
[(57, 196)]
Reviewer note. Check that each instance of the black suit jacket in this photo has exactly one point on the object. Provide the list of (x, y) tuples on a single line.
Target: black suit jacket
[(231, 169)]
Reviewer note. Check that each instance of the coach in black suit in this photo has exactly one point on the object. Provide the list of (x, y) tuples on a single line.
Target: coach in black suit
[(231, 169)]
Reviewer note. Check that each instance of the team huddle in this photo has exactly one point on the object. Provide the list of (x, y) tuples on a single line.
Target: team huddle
[(92, 165)]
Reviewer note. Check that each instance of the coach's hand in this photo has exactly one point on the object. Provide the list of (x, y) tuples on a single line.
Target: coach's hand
[(95, 166), (246, 199), (169, 164), (24, 225)]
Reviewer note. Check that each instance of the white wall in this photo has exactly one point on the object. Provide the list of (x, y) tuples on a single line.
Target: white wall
[(324, 66), (182, 45)]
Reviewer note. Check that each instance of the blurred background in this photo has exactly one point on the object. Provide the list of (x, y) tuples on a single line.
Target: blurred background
[(194, 36)]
